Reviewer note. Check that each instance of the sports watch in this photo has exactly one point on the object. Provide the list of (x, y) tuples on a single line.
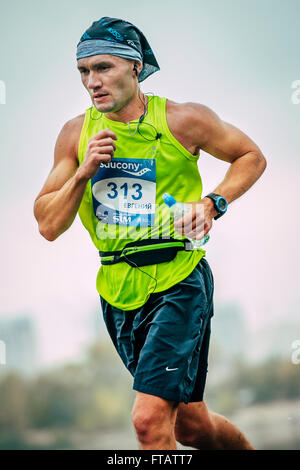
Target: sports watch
[(220, 204)]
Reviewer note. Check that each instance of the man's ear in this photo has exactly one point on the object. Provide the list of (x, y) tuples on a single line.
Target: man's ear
[(138, 66), (136, 69)]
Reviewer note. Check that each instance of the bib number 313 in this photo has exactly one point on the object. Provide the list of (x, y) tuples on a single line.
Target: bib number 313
[(124, 191)]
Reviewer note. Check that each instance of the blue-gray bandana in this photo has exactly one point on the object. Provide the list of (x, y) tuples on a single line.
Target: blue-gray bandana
[(120, 38)]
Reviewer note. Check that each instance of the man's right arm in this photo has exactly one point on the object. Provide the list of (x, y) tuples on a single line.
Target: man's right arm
[(56, 205)]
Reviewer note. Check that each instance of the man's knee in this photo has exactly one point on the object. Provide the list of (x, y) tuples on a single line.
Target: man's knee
[(152, 417), (149, 426), (194, 426)]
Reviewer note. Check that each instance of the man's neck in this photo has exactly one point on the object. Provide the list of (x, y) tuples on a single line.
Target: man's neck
[(132, 111)]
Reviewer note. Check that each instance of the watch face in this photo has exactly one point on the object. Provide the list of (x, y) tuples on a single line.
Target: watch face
[(222, 204)]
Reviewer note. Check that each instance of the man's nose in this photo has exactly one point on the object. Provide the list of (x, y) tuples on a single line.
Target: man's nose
[(94, 80)]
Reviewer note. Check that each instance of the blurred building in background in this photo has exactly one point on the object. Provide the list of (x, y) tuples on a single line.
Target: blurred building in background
[(228, 340), (229, 328), (19, 336)]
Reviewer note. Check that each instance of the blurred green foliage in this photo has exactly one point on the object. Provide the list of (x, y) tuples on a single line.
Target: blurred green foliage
[(270, 381), (96, 396), (92, 396)]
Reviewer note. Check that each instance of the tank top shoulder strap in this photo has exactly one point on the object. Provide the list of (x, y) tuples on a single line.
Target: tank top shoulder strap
[(162, 123), (84, 135), (158, 106)]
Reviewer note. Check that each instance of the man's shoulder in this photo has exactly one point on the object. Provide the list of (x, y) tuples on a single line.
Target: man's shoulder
[(70, 134), (72, 128), (188, 111), (74, 125), (189, 120)]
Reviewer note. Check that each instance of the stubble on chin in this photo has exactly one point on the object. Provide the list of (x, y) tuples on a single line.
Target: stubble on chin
[(105, 108)]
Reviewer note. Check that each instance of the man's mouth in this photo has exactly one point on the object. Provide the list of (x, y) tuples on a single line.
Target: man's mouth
[(99, 96)]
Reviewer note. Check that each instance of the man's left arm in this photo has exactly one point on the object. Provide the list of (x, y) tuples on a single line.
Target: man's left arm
[(225, 142)]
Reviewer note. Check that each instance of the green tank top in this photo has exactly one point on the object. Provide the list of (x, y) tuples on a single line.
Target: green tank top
[(123, 202)]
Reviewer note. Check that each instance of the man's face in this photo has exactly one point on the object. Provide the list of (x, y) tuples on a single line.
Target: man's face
[(110, 81)]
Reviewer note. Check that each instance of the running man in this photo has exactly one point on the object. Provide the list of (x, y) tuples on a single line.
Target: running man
[(112, 166)]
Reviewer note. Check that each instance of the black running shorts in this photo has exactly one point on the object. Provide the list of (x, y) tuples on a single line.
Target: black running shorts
[(164, 344)]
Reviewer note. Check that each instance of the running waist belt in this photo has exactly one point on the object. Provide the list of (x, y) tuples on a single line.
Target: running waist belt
[(146, 252)]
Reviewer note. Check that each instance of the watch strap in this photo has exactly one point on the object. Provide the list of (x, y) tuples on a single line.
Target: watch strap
[(214, 197)]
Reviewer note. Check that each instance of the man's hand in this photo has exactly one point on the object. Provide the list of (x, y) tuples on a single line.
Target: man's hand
[(198, 222), (101, 148)]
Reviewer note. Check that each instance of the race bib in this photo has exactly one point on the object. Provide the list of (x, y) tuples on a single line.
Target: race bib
[(124, 191)]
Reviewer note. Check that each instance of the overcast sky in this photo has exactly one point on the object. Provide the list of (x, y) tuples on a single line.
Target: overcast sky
[(239, 57)]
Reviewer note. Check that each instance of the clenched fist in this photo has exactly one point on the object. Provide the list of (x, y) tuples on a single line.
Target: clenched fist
[(101, 148)]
